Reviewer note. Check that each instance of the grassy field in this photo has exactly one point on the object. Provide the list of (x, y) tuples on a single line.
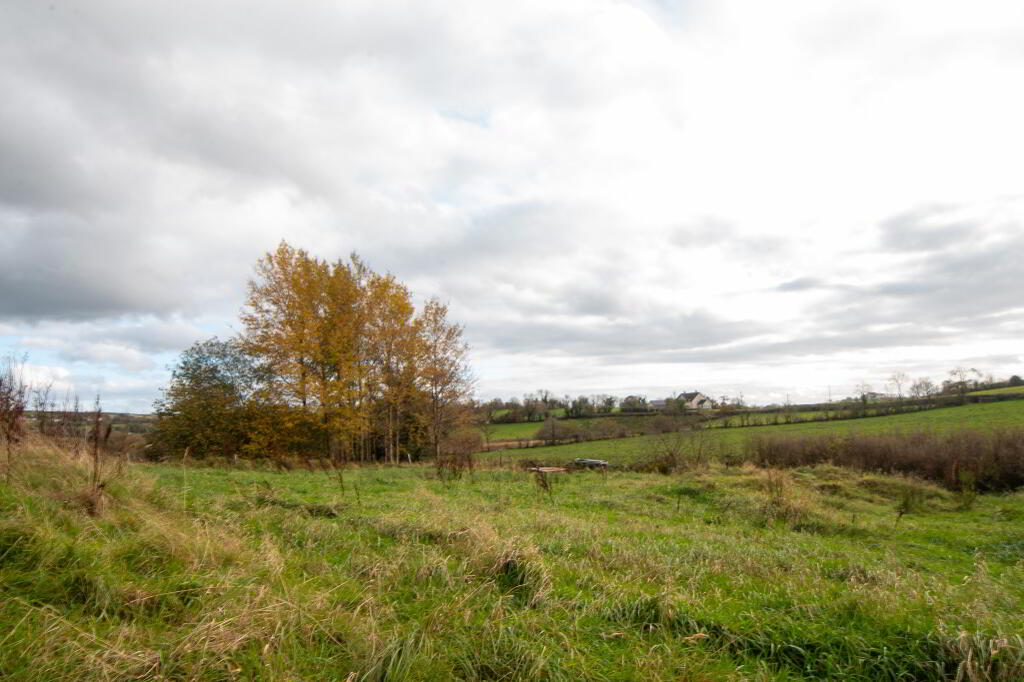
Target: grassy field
[(1009, 390), (529, 430), (557, 412), (717, 574), (627, 450), (765, 418), (516, 431)]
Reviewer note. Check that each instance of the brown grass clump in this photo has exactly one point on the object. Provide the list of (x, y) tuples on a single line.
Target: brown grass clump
[(982, 460)]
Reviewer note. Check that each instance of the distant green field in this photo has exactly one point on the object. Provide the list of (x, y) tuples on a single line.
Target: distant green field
[(625, 450), (767, 418), (1000, 391), (528, 430), (523, 430)]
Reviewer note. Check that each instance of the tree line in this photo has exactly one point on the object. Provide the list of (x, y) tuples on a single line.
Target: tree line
[(334, 362), (542, 404), (538, 406)]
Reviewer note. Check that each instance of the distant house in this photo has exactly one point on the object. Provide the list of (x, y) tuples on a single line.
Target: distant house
[(695, 400), (658, 404)]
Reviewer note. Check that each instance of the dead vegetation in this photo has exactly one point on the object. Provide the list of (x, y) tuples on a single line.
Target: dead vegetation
[(13, 398), (960, 460)]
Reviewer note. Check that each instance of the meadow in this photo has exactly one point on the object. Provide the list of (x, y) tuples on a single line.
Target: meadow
[(1008, 390), (716, 569), (626, 451), (754, 418), (391, 573), (515, 431), (526, 431)]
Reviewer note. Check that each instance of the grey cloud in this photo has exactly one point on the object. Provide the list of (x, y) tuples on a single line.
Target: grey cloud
[(999, 360), (39, 142), (704, 232), (145, 78), (969, 287), (544, 316), (697, 339), (128, 345), (813, 344), (598, 301), (60, 266), (117, 395), (104, 102), (713, 232), (103, 354), (801, 284), (925, 229), (941, 297), (823, 343), (521, 244), (961, 285), (625, 340), (159, 337), (531, 259), (122, 121)]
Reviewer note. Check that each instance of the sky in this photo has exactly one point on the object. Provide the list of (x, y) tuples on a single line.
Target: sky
[(779, 200)]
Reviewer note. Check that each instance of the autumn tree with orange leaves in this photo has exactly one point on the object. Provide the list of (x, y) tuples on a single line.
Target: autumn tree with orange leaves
[(352, 371), (445, 374)]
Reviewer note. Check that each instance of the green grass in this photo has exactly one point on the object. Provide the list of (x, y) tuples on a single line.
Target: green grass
[(767, 418), (628, 450), (529, 430), (1009, 390), (516, 431), (732, 574), (554, 412)]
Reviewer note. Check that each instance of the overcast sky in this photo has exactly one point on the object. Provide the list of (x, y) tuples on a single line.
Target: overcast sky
[(614, 196)]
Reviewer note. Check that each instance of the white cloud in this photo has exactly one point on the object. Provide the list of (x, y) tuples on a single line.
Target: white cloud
[(616, 180)]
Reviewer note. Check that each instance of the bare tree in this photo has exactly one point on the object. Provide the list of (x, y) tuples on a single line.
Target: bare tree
[(98, 437), (485, 426), (546, 397), (667, 452), (923, 388), (43, 406), (961, 380), (13, 397), (898, 380), (70, 425)]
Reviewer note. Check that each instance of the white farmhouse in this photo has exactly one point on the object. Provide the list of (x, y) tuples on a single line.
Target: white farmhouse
[(695, 400)]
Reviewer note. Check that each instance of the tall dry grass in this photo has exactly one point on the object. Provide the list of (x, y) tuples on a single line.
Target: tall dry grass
[(986, 460)]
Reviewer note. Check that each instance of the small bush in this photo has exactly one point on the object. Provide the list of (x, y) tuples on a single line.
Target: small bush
[(557, 431)]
